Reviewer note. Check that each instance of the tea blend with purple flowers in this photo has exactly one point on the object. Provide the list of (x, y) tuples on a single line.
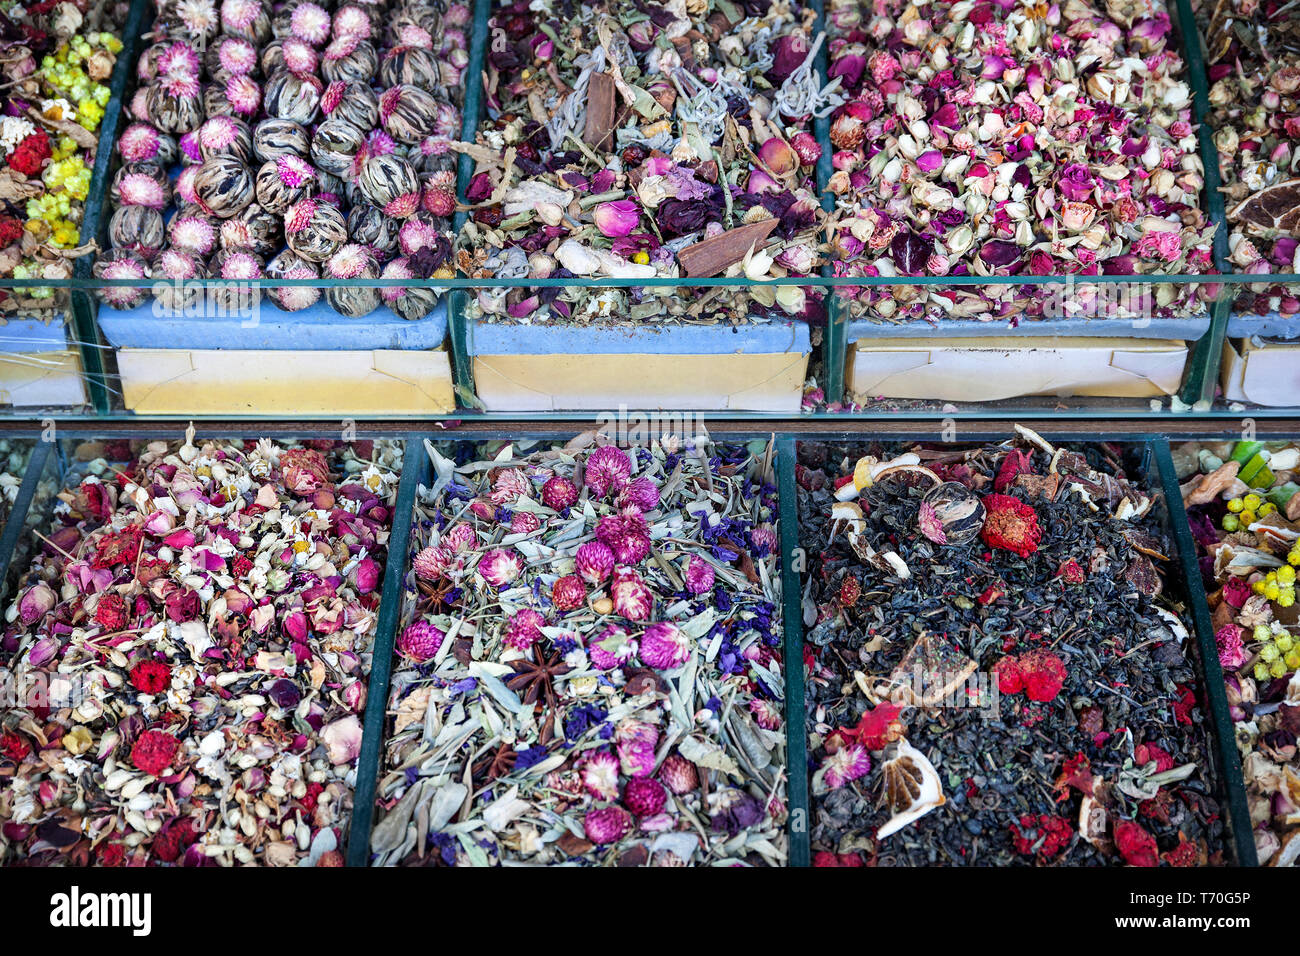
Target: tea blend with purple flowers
[(192, 643), (1254, 70), (643, 140), (1014, 138), (590, 669), (1243, 502), (996, 671)]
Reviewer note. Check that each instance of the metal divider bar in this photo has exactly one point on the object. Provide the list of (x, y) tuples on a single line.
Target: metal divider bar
[(792, 642), (1215, 692)]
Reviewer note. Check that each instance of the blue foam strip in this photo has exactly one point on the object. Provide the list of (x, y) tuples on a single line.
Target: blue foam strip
[(318, 328), (503, 338), (1271, 326), (33, 335), (1189, 328)]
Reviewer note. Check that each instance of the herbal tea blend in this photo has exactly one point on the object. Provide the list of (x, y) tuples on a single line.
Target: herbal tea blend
[(1254, 65), (985, 139), (192, 643), (1243, 502), (642, 140), (590, 671), (996, 671)]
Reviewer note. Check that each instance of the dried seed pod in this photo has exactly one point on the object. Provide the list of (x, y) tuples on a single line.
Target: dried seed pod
[(355, 102), (174, 104), (138, 228), (369, 226), (390, 183), (273, 138), (408, 113), (137, 184), (255, 229), (230, 56), (335, 146), (352, 261), (223, 186), (121, 264), (284, 181), (350, 59), (288, 265), (175, 288), (410, 66), (194, 231), (293, 97), (246, 18), (141, 143), (409, 303), (314, 230), (226, 136)]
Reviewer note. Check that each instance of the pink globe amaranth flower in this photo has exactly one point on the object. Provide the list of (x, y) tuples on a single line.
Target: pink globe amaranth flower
[(298, 55), (421, 642), (244, 95), (641, 493), (237, 56), (179, 59), (632, 599), (559, 493), (806, 145), (568, 593), (611, 650), (510, 485), (600, 775), (310, 23), (606, 825), (845, 765), (763, 538), (430, 563), (608, 469), (524, 522), (500, 566), (678, 774), (594, 562), (351, 21), (627, 535), (524, 629), (636, 760), (645, 796), (663, 646), (765, 714), (461, 537), (138, 143), (192, 234), (439, 197), (699, 575), (141, 189)]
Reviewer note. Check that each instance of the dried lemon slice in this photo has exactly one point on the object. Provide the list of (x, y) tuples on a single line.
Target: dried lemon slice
[(912, 788), (862, 473)]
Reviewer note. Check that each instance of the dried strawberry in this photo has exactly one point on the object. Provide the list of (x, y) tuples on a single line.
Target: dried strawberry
[(1136, 846)]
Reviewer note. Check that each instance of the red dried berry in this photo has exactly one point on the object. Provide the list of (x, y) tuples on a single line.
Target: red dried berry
[(850, 591), (1011, 680), (1044, 674), (1010, 524), (1135, 845)]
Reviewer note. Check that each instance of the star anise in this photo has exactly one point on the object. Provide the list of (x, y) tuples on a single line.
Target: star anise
[(432, 595), (534, 679), (500, 762)]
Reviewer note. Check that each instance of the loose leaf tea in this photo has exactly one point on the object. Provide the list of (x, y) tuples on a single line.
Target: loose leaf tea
[(191, 645), (641, 140), (996, 671), (987, 139), (590, 671), (1243, 503)]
